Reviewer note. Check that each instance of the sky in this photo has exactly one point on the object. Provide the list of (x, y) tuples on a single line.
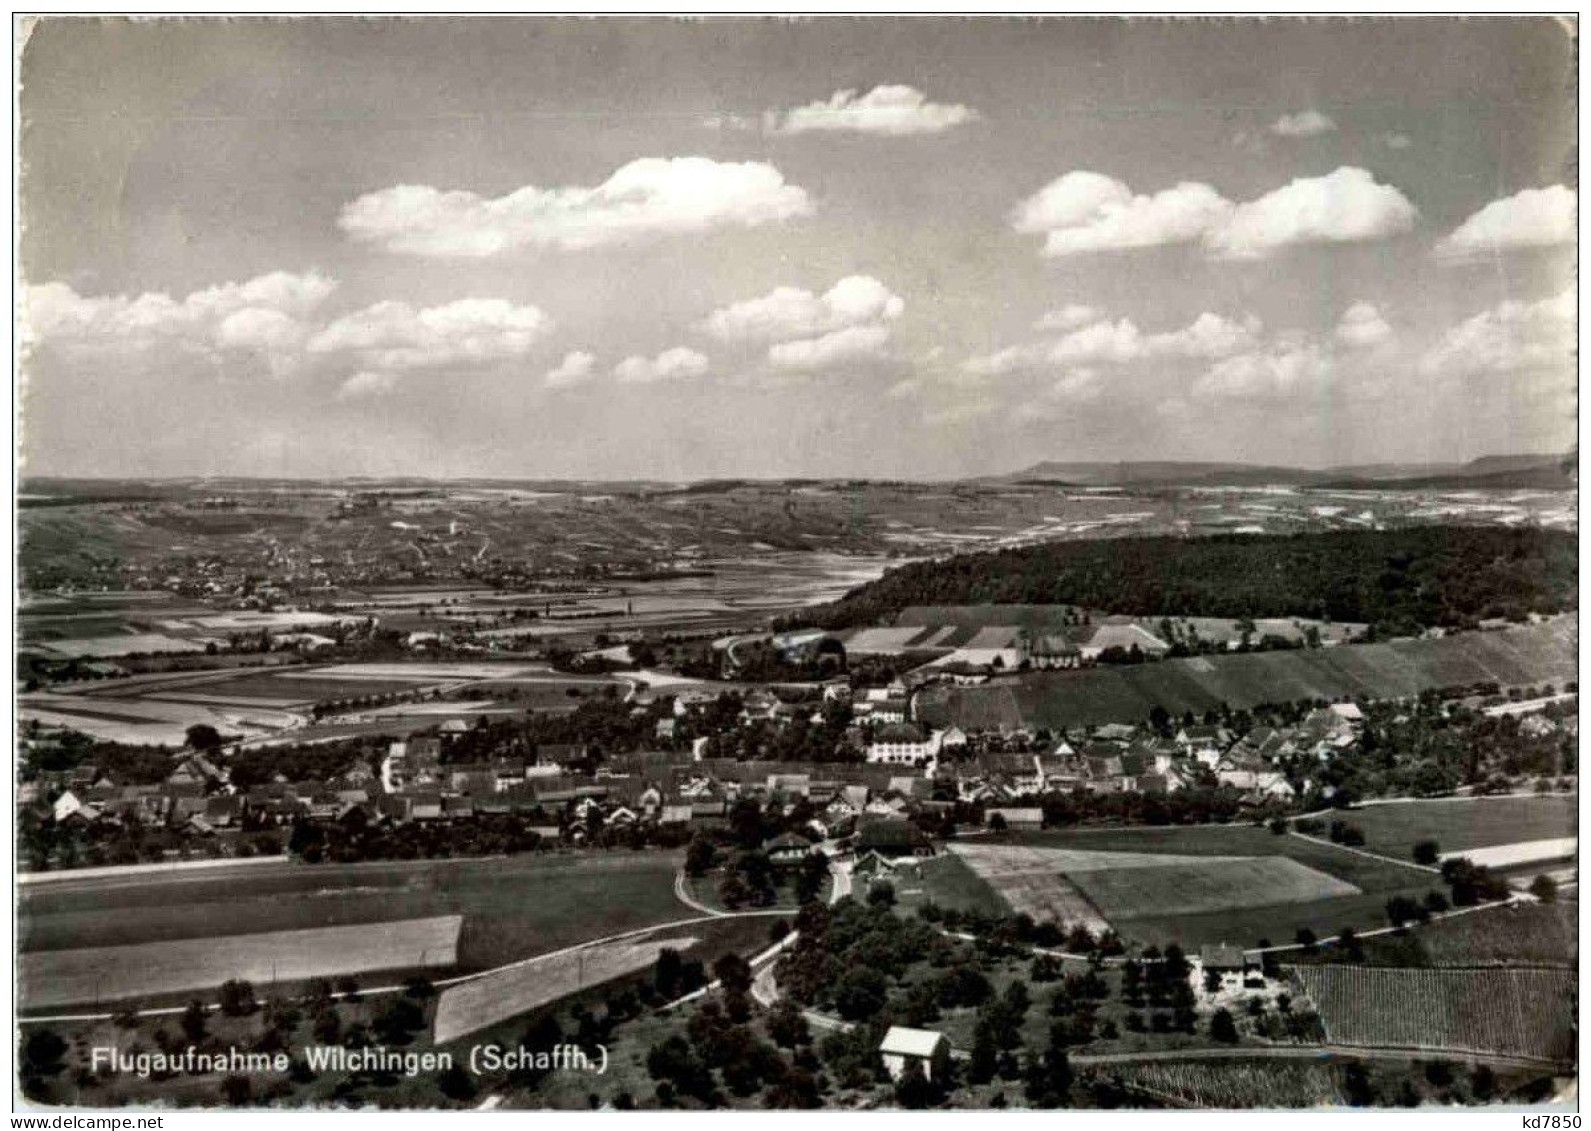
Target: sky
[(902, 248)]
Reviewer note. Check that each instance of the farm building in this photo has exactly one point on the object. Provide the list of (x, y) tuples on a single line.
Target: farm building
[(787, 850), (1222, 959), (1024, 818), (902, 1046), (892, 838)]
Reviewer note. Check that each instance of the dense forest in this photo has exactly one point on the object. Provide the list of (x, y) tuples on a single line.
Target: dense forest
[(1397, 581)]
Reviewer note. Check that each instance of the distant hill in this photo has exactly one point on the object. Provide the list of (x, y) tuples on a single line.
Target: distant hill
[(1543, 472)]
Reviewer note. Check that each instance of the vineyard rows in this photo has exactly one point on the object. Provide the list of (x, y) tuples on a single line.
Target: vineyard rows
[(1236, 1084), (1524, 1013)]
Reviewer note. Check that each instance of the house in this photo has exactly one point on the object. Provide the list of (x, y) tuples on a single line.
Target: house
[(902, 744), (923, 1047), (560, 754), (892, 838), (223, 812), (1219, 958), (787, 850), (1024, 817), (675, 814), (69, 804), (1055, 650)]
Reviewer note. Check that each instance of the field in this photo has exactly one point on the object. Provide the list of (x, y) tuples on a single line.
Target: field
[(1322, 887), (511, 907), (485, 1001), (1523, 656), (153, 710), (1236, 1084), (1519, 1013), (1102, 888), (54, 978), (1464, 823), (1031, 883)]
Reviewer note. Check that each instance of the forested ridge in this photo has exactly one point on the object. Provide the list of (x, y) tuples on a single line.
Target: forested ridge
[(1397, 581)]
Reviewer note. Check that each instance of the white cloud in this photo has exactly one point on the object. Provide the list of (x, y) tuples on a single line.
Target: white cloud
[(649, 197), (791, 312), (1121, 342), (997, 364), (1345, 206), (1069, 317), (366, 384), (1274, 372), (1511, 337), (673, 364), (1081, 384), (895, 111), (904, 390), (1542, 217), (1118, 342), (850, 344), (1088, 212), (1306, 123), (575, 369), (472, 331), (1362, 326), (1084, 212), (261, 314)]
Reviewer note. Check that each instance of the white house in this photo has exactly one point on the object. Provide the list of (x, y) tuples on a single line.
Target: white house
[(902, 1046)]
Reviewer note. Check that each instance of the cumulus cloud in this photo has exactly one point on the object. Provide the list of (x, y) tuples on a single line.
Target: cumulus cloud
[(791, 312), (895, 111), (1084, 212), (853, 343), (1275, 371), (366, 384), (576, 368), (1121, 342), (1306, 123), (670, 365), (1345, 206), (998, 364), (1068, 317), (1511, 337), (1362, 327), (471, 331), (262, 312), (1543, 217), (649, 197)]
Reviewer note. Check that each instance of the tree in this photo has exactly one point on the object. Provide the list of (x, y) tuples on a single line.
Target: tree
[(193, 1021), (1544, 888), (237, 998), (786, 1025), (700, 855), (1427, 853), (860, 993), (235, 1091), (733, 972), (1306, 938), (913, 1090), (1223, 1028), (203, 737), (881, 894), (43, 1054), (997, 822)]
